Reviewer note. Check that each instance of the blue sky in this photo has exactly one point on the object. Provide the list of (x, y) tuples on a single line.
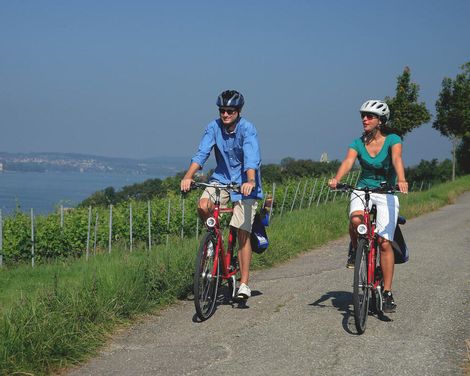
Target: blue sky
[(140, 78)]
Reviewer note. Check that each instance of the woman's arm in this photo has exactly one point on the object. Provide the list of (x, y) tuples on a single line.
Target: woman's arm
[(397, 162), (345, 167)]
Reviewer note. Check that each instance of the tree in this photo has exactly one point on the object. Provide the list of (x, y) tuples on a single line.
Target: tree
[(453, 112), (405, 111)]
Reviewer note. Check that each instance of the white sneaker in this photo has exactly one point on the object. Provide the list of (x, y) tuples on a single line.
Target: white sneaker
[(244, 292)]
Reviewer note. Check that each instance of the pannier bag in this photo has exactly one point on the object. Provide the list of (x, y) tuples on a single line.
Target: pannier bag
[(401, 251), (259, 238)]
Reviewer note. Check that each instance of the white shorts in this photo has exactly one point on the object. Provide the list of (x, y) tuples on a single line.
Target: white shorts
[(387, 211), (243, 211)]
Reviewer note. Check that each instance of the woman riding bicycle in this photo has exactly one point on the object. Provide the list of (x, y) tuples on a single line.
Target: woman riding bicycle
[(380, 156)]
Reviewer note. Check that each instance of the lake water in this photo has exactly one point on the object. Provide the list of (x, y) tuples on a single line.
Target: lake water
[(44, 191)]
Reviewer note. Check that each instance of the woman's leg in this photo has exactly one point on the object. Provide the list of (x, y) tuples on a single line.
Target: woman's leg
[(387, 262)]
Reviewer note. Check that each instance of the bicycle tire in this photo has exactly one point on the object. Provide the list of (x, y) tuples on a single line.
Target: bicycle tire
[(361, 290), (205, 285)]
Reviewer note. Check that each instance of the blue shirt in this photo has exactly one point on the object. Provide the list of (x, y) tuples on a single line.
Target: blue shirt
[(235, 153), (375, 170)]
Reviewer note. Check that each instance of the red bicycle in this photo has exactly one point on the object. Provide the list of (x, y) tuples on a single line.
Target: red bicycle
[(368, 279), (215, 262)]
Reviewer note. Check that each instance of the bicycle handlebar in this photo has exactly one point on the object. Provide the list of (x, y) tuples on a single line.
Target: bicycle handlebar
[(384, 189), (229, 187)]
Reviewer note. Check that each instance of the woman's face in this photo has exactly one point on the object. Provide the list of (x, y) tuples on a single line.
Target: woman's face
[(369, 121)]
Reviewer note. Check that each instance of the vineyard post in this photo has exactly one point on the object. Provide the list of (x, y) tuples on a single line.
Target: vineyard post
[(88, 234), (312, 193), (421, 186), (321, 190), (149, 224), (96, 233), (412, 187), (295, 197), (303, 194), (357, 178), (182, 217), (110, 227), (348, 181), (327, 193), (62, 216), (32, 237), (284, 200), (130, 226), (272, 202), (1, 239), (334, 195), (197, 220), (168, 223)]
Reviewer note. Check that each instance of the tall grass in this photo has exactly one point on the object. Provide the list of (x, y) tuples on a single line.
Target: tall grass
[(57, 315)]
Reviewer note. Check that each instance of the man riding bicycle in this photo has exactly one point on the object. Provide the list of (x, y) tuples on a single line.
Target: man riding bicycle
[(235, 143), (380, 156)]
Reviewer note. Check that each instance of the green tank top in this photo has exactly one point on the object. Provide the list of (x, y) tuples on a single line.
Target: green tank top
[(379, 168)]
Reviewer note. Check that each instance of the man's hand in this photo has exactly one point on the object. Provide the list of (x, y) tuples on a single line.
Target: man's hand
[(186, 184), (247, 188)]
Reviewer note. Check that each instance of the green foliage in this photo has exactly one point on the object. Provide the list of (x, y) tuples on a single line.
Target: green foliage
[(430, 172), (64, 311), (463, 155), (291, 168), (453, 105), (405, 111), (453, 114)]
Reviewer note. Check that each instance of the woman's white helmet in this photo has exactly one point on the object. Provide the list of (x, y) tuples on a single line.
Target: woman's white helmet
[(376, 107)]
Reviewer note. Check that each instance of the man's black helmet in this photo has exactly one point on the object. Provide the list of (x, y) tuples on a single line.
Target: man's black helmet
[(230, 98)]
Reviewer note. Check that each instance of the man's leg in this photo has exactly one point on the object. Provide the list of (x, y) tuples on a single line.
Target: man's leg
[(244, 255)]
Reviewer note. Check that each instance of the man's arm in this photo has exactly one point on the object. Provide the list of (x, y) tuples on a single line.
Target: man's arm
[(250, 184), (188, 177)]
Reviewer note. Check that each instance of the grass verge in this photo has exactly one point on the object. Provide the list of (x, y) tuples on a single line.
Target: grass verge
[(57, 315)]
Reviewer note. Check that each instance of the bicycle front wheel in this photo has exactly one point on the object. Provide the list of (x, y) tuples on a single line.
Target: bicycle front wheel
[(361, 290), (205, 281)]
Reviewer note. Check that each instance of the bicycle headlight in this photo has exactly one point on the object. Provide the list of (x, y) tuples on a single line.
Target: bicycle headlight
[(362, 229), (210, 222)]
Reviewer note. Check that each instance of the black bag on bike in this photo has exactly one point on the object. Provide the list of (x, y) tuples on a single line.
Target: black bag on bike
[(259, 238), (402, 254)]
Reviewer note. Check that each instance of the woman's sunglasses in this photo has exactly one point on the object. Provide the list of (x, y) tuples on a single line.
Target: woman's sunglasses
[(368, 116)]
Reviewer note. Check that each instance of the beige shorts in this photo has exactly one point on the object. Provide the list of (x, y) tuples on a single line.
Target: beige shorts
[(243, 211)]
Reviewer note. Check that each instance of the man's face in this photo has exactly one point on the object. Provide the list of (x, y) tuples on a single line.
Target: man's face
[(228, 115)]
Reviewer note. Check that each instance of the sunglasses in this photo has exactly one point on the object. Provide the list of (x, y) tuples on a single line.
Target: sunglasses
[(368, 116), (225, 110)]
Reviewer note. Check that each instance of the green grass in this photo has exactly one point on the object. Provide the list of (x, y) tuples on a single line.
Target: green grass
[(57, 315)]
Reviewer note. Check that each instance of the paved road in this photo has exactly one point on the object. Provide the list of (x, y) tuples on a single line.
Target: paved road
[(300, 320)]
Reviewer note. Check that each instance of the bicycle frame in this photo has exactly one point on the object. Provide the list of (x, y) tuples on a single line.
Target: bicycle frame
[(220, 253), (373, 258)]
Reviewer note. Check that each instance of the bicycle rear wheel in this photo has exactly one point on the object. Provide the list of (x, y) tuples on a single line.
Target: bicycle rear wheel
[(361, 290), (205, 283)]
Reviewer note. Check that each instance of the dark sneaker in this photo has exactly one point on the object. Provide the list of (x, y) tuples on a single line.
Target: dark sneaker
[(351, 257), (389, 305)]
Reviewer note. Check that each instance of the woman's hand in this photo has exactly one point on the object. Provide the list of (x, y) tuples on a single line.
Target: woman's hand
[(332, 183), (403, 185)]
